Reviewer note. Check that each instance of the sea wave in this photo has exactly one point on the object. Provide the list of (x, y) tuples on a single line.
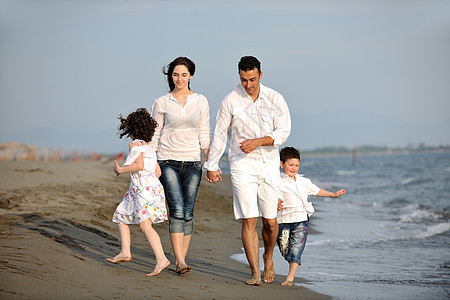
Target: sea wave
[(429, 231), (346, 172), (421, 215), (434, 230)]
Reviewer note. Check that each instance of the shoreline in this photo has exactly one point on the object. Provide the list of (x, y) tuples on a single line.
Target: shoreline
[(56, 233)]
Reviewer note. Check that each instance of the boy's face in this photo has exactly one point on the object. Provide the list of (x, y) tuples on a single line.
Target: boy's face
[(290, 167)]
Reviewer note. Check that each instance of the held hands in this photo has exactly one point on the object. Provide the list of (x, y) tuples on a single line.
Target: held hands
[(339, 193), (213, 176)]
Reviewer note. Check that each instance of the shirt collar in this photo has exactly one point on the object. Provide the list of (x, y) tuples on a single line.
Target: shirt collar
[(263, 91), (283, 175), (173, 98)]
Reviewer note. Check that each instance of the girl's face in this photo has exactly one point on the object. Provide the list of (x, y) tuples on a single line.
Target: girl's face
[(181, 77), (290, 167)]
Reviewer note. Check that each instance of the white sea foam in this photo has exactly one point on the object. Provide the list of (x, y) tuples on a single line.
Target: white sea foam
[(434, 230), (408, 180), (418, 216), (346, 172)]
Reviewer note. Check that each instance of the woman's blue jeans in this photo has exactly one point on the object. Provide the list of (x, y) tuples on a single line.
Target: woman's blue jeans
[(181, 180)]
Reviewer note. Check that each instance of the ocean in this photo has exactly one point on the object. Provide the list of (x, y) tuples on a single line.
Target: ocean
[(387, 238)]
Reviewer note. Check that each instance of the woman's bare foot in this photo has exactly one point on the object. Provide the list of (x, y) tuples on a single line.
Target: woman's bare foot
[(183, 268), (255, 280), (269, 270), (119, 258), (287, 283), (159, 268)]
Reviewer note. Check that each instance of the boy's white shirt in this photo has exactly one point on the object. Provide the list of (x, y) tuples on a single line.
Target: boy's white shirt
[(294, 194)]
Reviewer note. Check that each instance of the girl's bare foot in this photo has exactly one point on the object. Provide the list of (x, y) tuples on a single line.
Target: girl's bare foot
[(119, 258), (159, 268)]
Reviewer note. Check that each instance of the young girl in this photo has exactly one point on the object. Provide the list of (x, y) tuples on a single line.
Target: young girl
[(144, 202)]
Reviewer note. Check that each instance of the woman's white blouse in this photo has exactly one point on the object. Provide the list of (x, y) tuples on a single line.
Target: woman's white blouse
[(182, 130)]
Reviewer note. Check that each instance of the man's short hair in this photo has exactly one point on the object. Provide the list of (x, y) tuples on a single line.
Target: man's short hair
[(248, 63), (288, 153)]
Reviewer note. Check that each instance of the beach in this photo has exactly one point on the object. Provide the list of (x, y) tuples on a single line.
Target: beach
[(56, 233)]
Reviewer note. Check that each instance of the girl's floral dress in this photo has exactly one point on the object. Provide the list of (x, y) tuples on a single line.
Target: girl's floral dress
[(145, 197)]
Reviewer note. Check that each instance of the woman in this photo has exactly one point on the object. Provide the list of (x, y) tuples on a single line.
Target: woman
[(183, 131)]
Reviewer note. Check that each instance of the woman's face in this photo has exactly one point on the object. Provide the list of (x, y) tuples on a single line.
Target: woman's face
[(181, 77)]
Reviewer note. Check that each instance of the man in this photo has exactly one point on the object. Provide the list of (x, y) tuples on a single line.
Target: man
[(257, 120)]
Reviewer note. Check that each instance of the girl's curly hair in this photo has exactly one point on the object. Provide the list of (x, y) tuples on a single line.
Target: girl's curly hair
[(137, 125)]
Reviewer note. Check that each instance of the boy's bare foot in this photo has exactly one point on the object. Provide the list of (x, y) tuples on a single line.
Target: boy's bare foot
[(119, 258), (159, 268), (269, 270), (255, 280), (287, 283)]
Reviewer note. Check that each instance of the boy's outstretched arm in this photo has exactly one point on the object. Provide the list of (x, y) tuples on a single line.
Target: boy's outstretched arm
[(324, 193)]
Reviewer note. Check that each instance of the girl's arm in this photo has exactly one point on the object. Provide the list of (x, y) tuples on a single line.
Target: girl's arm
[(137, 165), (158, 170), (324, 193)]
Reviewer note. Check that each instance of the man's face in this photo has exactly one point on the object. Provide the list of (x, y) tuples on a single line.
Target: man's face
[(250, 81)]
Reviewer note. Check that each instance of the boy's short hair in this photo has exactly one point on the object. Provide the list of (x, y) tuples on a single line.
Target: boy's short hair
[(288, 153)]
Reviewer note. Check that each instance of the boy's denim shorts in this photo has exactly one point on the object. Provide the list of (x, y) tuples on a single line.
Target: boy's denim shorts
[(292, 239)]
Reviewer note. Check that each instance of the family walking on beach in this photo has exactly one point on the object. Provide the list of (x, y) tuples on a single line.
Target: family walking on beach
[(168, 145)]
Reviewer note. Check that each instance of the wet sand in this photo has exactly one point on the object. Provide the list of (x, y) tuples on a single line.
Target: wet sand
[(56, 232)]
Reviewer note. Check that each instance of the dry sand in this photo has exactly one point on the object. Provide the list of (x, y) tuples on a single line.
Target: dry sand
[(56, 232)]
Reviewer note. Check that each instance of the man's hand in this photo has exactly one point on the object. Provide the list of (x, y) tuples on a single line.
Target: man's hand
[(213, 176), (248, 146)]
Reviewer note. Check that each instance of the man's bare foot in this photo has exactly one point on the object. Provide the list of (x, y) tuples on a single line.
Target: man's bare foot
[(287, 283), (119, 258), (159, 268), (269, 270), (255, 280)]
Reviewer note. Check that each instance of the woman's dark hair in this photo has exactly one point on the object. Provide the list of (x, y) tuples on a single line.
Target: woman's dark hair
[(248, 63), (289, 153), (137, 125), (184, 61)]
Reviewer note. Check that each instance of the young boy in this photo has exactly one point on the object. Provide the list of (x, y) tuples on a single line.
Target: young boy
[(294, 210)]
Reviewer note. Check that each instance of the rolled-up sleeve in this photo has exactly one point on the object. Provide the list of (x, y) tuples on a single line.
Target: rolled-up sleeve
[(158, 116), (219, 143), (282, 122)]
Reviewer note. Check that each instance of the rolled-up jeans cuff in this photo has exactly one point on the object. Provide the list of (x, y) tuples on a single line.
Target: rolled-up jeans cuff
[(181, 226)]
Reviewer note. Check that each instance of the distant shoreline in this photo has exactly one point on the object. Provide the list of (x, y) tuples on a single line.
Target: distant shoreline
[(17, 151), (375, 152)]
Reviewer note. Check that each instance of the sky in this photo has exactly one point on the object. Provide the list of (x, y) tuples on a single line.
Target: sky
[(353, 72)]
